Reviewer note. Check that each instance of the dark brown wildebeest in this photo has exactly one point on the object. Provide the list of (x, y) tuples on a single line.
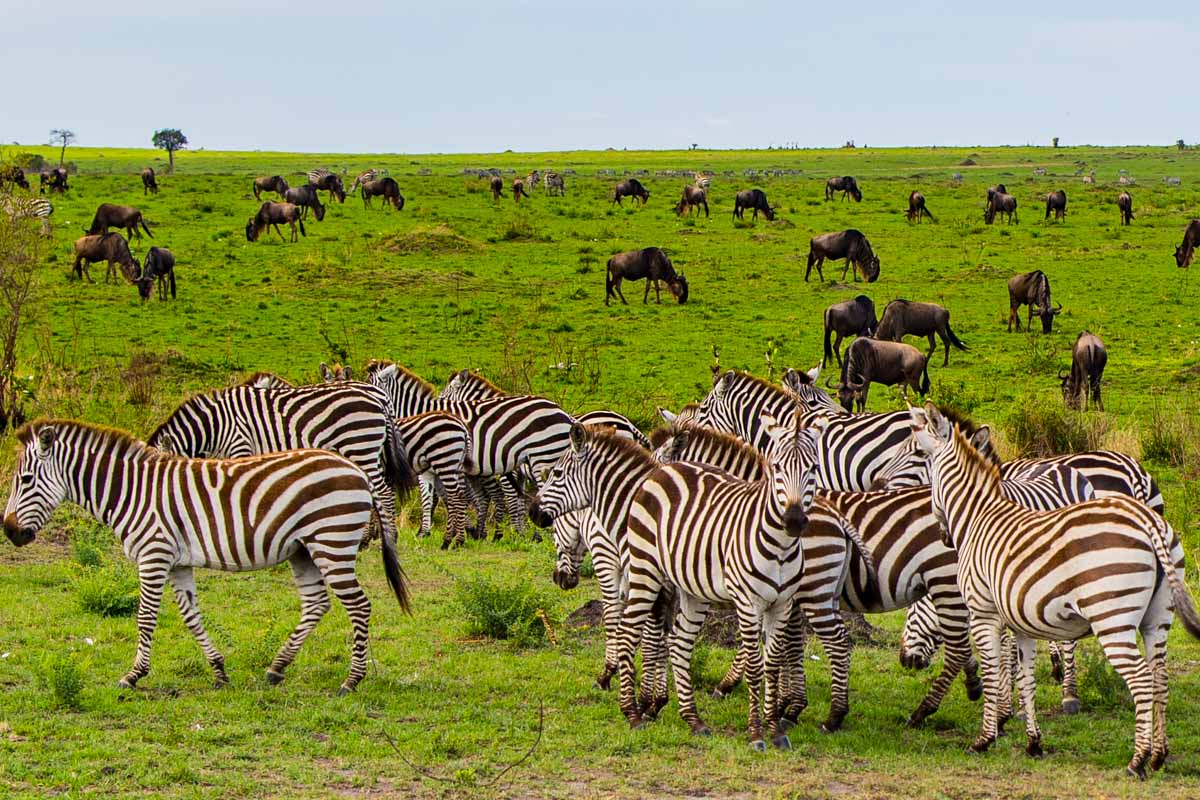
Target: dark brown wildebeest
[(275, 214), (1056, 201), (111, 215), (848, 244), (332, 183), (274, 183), (497, 184), (11, 173), (1000, 202), (630, 188), (846, 185), (1031, 289), (385, 187), (1125, 206), (1088, 360), (53, 179), (756, 201), (306, 197), (159, 267), (906, 318), (888, 363), (110, 247), (650, 264), (693, 198), (917, 207), (848, 318), (518, 190), (149, 184), (1185, 251)]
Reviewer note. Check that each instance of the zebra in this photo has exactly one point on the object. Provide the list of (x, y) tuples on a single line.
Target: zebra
[(533, 179), (173, 514), (359, 179), (19, 208), (554, 184), (352, 420), (329, 181), (1108, 559)]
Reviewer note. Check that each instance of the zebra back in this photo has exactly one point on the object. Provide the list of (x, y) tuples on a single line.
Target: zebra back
[(704, 445), (737, 403), (466, 385)]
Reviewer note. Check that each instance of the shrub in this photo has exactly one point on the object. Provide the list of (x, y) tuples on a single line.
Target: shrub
[(1171, 434), (89, 543), (1044, 428), (1100, 687), (110, 591), (514, 612), (586, 568), (62, 675)]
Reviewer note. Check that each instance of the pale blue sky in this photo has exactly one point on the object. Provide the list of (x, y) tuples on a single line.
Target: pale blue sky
[(482, 77)]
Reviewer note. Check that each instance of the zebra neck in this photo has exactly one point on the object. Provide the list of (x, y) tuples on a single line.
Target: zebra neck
[(614, 492), (106, 477), (976, 490)]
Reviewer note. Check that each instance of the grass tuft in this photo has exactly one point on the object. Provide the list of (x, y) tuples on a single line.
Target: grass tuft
[(1038, 427), (110, 591), (62, 675), (514, 612)]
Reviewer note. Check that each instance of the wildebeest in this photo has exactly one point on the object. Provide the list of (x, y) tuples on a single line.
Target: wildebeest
[(649, 263), (756, 201), (846, 185), (159, 267), (630, 188), (385, 187), (693, 197), (111, 215), (332, 183), (275, 214), (888, 363), (274, 183), (1125, 206), (497, 184), (917, 207), (1000, 202), (518, 189), (110, 247), (1185, 251), (1088, 359), (848, 318), (1031, 289), (53, 179), (306, 197), (554, 184), (848, 244), (1056, 201), (149, 184), (907, 318), (11, 173)]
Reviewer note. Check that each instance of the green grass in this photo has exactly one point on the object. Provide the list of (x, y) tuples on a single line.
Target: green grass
[(456, 281)]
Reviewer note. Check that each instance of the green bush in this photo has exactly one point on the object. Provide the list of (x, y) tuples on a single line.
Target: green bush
[(1100, 687), (90, 541), (63, 676), (587, 569), (110, 591), (514, 612), (1171, 434), (1042, 427)]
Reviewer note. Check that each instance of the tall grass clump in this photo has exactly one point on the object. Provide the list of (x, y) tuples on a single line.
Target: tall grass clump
[(110, 591), (515, 612), (1040, 427), (1171, 435), (62, 675)]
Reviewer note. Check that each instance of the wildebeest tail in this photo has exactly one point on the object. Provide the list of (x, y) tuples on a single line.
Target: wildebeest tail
[(142, 220), (302, 233), (954, 340), (1047, 206), (929, 213)]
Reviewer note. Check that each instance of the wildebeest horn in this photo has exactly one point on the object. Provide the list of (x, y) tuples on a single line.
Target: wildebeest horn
[(1059, 306), (829, 383)]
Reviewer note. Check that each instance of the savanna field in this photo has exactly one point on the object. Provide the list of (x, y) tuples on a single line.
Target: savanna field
[(517, 292)]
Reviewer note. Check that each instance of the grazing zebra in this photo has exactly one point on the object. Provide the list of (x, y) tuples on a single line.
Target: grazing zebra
[(352, 420), (328, 181), (1110, 567), (19, 208), (172, 514), (554, 184), (363, 177), (533, 179)]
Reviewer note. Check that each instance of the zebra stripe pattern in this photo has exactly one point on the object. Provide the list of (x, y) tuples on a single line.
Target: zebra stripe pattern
[(307, 507), (21, 208), (363, 177), (554, 184), (1110, 567)]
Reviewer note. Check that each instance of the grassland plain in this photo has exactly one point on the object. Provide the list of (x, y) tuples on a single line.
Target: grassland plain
[(455, 280)]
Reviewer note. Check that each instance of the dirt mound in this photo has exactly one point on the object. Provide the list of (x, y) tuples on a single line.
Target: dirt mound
[(436, 240), (588, 615), (967, 162)]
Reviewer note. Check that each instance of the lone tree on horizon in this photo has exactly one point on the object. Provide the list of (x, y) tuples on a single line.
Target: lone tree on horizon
[(64, 137), (169, 139)]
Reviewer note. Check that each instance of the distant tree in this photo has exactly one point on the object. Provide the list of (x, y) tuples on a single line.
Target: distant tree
[(1180, 144), (169, 139), (64, 137), (1054, 141), (694, 146)]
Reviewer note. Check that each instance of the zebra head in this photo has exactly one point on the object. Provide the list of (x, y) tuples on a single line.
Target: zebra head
[(718, 408), (908, 467), (38, 483), (570, 547), (688, 415), (567, 487), (792, 466), (935, 441), (803, 388)]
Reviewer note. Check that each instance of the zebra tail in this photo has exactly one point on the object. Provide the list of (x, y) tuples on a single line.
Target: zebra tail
[(1185, 607), (856, 540), (395, 573), (397, 470), (954, 340)]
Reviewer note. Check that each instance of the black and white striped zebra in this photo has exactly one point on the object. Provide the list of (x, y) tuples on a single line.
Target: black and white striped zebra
[(22, 208), (361, 178), (353, 420), (1111, 567), (554, 184), (309, 508), (328, 181)]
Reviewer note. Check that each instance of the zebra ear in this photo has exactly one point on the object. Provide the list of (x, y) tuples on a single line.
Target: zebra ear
[(326, 373), (668, 417), (939, 422), (347, 373), (917, 418), (680, 442), (46, 437), (814, 373), (981, 438), (578, 436)]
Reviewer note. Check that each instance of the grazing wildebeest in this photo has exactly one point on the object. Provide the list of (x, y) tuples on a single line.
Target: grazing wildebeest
[(848, 244), (54, 179), (159, 267), (848, 318), (756, 201), (149, 184), (384, 187), (1087, 368), (888, 363), (1125, 206), (274, 183), (275, 214), (305, 197), (1056, 201), (1031, 289), (650, 263), (110, 247), (332, 183), (846, 185), (554, 184), (907, 318), (630, 188), (497, 184), (693, 198), (1002, 203), (110, 215), (518, 189), (1185, 251), (917, 207), (11, 173)]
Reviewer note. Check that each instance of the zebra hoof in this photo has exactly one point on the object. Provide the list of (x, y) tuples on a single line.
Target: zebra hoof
[(221, 681), (344, 690), (781, 742), (445, 544), (786, 724), (1158, 759), (702, 731), (759, 746), (1034, 748), (274, 678), (127, 683), (717, 694), (974, 692), (1070, 705), (1139, 772)]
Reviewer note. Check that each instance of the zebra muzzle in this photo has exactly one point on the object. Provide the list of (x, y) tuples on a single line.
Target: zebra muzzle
[(16, 534), (794, 519), (565, 580), (539, 516)]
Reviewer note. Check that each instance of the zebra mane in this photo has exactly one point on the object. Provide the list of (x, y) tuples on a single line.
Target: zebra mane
[(266, 379), (29, 430), (711, 439), (970, 454), (754, 379), (474, 377), (627, 448), (376, 364)]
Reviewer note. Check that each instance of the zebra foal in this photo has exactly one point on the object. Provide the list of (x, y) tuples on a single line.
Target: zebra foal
[(173, 514)]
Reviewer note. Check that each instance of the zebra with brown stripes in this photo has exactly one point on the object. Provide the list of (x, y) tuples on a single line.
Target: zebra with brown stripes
[(21, 208), (172, 514)]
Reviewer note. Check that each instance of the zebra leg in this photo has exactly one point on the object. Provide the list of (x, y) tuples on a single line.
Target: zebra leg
[(152, 578), (793, 684), (655, 655), (428, 490), (314, 602), (612, 622), (455, 494), (688, 621), (1121, 649), (956, 644), (1156, 650), (1056, 667), (1070, 689), (184, 584), (1026, 655), (775, 624), (827, 623), (514, 506), (339, 576), (733, 676), (1007, 676), (971, 682), (749, 627), (986, 635), (638, 611)]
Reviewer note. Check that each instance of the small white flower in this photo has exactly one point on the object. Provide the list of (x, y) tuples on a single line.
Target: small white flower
[(88, 640)]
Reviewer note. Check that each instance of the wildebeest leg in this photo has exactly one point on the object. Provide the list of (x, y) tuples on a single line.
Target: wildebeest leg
[(706, 209), (933, 349), (846, 269), (276, 225), (837, 349), (1014, 316), (617, 288)]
